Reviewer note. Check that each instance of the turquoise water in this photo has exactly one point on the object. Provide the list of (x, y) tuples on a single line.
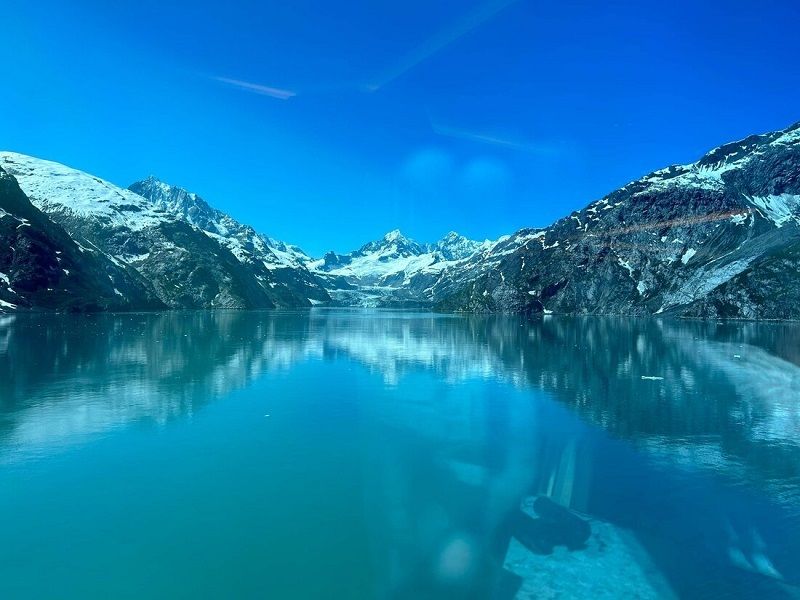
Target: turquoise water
[(366, 454)]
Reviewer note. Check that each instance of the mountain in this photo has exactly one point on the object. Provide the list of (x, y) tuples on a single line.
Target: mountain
[(179, 263), (391, 271), (718, 238), (454, 246), (42, 267), (715, 238), (277, 265)]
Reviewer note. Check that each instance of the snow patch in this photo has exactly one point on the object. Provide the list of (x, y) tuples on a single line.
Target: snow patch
[(778, 209), (626, 265), (739, 219)]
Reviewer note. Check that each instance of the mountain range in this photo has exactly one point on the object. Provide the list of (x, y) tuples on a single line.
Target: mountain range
[(392, 271), (718, 238), (180, 252)]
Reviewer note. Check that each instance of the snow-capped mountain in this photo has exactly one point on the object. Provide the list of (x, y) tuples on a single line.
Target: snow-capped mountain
[(179, 263), (276, 265), (454, 246), (42, 267), (715, 238), (288, 254), (238, 237), (383, 272)]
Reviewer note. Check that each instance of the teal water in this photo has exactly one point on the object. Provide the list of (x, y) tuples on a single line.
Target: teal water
[(368, 454)]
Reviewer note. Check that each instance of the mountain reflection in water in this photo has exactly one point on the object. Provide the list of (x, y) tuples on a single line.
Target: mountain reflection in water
[(676, 443)]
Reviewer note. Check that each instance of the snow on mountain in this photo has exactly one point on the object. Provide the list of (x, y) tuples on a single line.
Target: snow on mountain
[(258, 252), (241, 239), (288, 254), (69, 193), (716, 238), (396, 254), (392, 254), (708, 173), (381, 272), (42, 267), (709, 238), (181, 264), (454, 246)]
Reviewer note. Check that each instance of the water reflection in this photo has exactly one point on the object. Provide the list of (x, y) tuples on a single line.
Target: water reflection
[(685, 433), (708, 395)]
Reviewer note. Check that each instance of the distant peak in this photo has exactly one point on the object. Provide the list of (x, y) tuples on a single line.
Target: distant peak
[(172, 198), (153, 185), (394, 235), (153, 181), (455, 246), (452, 236)]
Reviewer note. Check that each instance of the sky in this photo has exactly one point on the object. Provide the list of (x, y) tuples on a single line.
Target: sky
[(327, 124)]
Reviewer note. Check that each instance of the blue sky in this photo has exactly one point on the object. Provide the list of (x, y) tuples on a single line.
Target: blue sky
[(329, 123)]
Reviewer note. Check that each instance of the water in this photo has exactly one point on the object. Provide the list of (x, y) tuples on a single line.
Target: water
[(357, 454)]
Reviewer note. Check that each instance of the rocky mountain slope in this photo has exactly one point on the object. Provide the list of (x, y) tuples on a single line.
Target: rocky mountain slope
[(716, 238), (179, 263), (42, 267), (277, 265)]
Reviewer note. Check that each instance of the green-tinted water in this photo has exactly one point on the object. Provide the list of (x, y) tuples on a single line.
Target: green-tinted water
[(344, 454)]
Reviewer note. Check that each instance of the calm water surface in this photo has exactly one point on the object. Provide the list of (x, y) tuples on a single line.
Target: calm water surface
[(357, 454)]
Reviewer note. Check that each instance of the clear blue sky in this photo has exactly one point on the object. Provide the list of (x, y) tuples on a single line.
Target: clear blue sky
[(329, 123)]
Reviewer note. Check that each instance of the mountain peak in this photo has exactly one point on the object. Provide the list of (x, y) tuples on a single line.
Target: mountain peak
[(454, 246), (152, 188), (452, 236), (162, 193), (394, 235), (393, 242)]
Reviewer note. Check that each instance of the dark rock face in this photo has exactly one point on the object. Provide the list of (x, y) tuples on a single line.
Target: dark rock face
[(717, 238), (42, 267), (767, 289)]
